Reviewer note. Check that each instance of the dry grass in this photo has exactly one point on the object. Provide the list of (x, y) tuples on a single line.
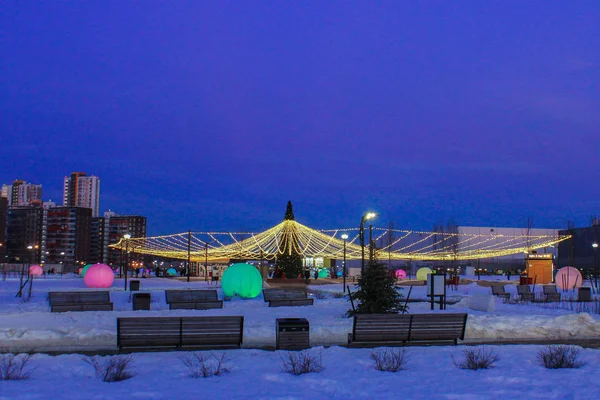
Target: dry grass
[(302, 362), (14, 367), (113, 369), (477, 358), (202, 365), (390, 360)]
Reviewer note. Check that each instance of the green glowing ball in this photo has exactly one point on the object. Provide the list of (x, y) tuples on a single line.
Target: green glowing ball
[(422, 273), (323, 273), (84, 270), (243, 280)]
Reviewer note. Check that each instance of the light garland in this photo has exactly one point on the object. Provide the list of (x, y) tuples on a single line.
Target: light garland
[(291, 236)]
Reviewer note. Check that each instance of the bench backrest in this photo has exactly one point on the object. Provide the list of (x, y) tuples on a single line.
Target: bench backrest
[(426, 327), (498, 289), (549, 289), (381, 327), (407, 327), (190, 296), (523, 289), (275, 294), (212, 330), (100, 297), (179, 331)]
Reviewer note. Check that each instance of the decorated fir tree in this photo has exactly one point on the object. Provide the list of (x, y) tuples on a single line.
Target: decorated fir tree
[(376, 292), (290, 262)]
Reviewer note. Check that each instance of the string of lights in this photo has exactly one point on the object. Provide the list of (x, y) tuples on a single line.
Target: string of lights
[(291, 236)]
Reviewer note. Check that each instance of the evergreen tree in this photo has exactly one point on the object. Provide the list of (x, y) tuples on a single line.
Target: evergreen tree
[(377, 292), (290, 262)]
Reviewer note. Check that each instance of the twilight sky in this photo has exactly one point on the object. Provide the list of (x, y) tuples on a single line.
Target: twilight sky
[(211, 115)]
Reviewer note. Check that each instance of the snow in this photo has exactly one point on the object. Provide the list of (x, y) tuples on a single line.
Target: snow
[(255, 373), (30, 326), (347, 374)]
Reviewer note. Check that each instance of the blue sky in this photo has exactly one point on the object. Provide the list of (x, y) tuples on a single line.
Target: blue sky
[(211, 115)]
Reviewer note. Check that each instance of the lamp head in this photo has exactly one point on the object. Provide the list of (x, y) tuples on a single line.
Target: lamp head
[(127, 236), (344, 236), (370, 215), (594, 245), (30, 247)]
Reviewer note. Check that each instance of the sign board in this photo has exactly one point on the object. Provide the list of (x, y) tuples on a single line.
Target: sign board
[(437, 284)]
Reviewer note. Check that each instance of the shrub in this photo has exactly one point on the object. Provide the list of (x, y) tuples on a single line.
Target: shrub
[(555, 357), (302, 362), (202, 366), (477, 358), (389, 360), (14, 367), (114, 369)]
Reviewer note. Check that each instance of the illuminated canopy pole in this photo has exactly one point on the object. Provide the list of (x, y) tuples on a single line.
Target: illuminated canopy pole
[(189, 250), (127, 236), (345, 237)]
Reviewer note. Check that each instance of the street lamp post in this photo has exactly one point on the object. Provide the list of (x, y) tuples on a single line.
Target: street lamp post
[(206, 262), (189, 251), (345, 237), (361, 233), (371, 252), (595, 247), (127, 236)]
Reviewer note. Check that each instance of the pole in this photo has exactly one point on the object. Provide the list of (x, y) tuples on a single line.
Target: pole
[(371, 243), (206, 262), (189, 250), (121, 262), (361, 233), (126, 261), (344, 271)]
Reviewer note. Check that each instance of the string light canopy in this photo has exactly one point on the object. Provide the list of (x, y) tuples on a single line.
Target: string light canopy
[(291, 236)]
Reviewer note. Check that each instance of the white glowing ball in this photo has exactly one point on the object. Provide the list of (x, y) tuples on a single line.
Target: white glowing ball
[(568, 277)]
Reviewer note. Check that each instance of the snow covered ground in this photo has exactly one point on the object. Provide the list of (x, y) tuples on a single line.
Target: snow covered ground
[(347, 374), (31, 326)]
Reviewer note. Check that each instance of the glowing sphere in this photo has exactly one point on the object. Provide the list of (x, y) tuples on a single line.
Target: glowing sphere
[(422, 273), (340, 273), (171, 272), (99, 276), (243, 280), (400, 274), (568, 277), (323, 273), (85, 269), (36, 270)]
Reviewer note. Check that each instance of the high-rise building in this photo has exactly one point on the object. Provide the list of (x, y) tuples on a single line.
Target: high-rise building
[(81, 190), (24, 234), (3, 211), (21, 193), (67, 236), (119, 226)]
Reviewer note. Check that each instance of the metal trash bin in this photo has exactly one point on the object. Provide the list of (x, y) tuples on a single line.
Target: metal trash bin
[(292, 333), (584, 294), (134, 285), (141, 301)]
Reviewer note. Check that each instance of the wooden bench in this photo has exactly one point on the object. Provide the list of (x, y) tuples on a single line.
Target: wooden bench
[(180, 332), (80, 301), (373, 330), (287, 298), (525, 293), (498, 290), (551, 293), (192, 299)]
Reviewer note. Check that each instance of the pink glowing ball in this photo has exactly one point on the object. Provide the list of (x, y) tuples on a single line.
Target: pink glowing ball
[(568, 278), (36, 270), (99, 276), (400, 274)]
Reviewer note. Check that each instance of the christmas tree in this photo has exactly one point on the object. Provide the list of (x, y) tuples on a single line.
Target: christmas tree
[(290, 262), (377, 292)]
